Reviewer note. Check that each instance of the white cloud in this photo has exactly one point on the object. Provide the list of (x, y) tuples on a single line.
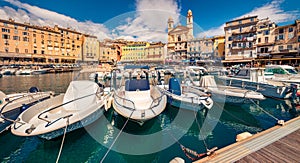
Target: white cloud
[(42, 17), (149, 22), (272, 10)]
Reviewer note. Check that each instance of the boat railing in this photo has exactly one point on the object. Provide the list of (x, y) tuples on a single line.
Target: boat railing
[(55, 107), (122, 98), (155, 102), (15, 98)]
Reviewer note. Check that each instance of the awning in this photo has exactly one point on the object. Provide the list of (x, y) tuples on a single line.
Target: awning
[(236, 61)]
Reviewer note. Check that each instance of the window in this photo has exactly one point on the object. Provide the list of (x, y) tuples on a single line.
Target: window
[(241, 28), (290, 35), (26, 39), (179, 38), (26, 28), (25, 33), (266, 39), (240, 22), (43, 52), (5, 24), (229, 45), (5, 30), (34, 35), (266, 32), (291, 29), (35, 51), (298, 38), (280, 37), (252, 19), (16, 31), (6, 49), (5, 36), (230, 38), (259, 40), (17, 50), (290, 47), (16, 38), (280, 47), (281, 30), (26, 50), (239, 45)]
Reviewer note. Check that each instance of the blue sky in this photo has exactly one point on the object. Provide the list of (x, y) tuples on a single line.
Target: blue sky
[(144, 19)]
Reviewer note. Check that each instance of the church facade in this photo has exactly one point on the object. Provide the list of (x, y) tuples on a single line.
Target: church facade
[(178, 38)]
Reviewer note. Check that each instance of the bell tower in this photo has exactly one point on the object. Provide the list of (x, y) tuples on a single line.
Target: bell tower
[(189, 23), (170, 24)]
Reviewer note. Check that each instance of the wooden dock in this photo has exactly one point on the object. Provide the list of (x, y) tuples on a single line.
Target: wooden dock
[(277, 144)]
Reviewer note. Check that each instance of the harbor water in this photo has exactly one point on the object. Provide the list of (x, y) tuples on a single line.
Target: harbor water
[(89, 144)]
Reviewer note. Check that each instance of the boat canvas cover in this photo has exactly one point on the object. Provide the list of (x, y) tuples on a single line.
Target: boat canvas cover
[(208, 81), (82, 94)]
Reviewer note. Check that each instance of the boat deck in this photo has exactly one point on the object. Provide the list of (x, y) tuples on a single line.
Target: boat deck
[(277, 144)]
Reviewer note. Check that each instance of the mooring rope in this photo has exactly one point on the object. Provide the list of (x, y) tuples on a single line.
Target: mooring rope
[(6, 128), (112, 144), (62, 142), (264, 110), (206, 146)]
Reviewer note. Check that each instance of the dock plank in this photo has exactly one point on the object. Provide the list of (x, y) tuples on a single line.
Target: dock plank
[(278, 144), (285, 149)]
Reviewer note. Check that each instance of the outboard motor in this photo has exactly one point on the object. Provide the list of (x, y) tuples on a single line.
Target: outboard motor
[(33, 90), (174, 86)]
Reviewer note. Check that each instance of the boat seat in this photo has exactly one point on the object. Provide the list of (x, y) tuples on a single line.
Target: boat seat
[(133, 85)]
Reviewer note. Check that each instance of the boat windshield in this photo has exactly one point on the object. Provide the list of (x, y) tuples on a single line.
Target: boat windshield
[(291, 71)]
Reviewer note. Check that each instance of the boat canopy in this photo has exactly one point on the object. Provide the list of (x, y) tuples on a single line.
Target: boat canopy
[(80, 94), (136, 67)]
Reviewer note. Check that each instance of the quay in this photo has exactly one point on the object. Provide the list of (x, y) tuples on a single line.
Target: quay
[(277, 144)]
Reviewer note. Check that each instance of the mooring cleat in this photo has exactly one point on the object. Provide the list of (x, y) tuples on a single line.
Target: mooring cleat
[(280, 122)]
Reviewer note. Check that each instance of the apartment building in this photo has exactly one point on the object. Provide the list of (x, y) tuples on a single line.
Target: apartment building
[(219, 47), (134, 51), (90, 49), (265, 40), (286, 45), (240, 39), (23, 43), (200, 49), (155, 53)]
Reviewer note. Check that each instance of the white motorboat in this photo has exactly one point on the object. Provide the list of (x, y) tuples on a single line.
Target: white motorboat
[(227, 94), (186, 97), (13, 104), (254, 79), (83, 103), (138, 100), (282, 73)]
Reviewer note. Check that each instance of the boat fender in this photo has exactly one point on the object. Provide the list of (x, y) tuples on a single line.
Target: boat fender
[(33, 90), (108, 103)]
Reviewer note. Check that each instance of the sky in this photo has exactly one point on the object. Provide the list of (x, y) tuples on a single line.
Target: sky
[(144, 20)]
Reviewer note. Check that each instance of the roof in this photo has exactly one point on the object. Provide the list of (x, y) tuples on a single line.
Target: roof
[(243, 18), (179, 28)]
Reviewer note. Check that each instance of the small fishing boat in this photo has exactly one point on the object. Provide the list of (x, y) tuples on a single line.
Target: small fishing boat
[(83, 103), (186, 97), (138, 100), (13, 104)]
